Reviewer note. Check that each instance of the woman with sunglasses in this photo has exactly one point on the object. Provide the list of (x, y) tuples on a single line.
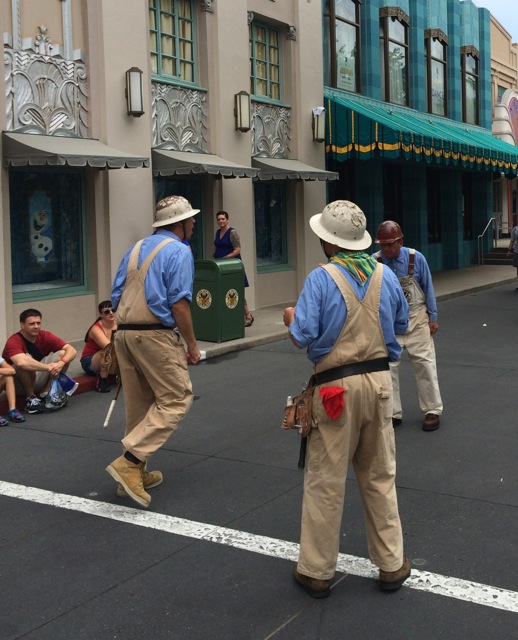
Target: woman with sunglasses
[(97, 338)]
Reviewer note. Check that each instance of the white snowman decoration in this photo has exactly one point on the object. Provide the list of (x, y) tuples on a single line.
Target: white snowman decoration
[(41, 247)]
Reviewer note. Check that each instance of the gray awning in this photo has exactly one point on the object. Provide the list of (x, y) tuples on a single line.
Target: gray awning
[(167, 162), (282, 169), (22, 149)]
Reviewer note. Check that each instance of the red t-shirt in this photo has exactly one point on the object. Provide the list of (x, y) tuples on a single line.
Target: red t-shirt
[(46, 342)]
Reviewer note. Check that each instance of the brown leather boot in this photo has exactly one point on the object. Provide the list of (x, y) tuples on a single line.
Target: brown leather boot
[(393, 580), (316, 588)]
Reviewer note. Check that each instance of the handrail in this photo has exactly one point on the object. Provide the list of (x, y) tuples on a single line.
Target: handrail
[(490, 223)]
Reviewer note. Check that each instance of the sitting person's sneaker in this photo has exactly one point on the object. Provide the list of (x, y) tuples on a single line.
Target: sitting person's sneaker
[(33, 405), (3, 422), (15, 416), (102, 385)]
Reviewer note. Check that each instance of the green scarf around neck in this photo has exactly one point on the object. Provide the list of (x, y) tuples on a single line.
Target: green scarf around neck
[(359, 264)]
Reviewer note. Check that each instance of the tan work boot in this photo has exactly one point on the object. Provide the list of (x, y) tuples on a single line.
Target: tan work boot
[(130, 477), (150, 479)]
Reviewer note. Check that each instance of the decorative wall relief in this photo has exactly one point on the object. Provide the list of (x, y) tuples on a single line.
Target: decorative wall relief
[(270, 131), (179, 118), (44, 93)]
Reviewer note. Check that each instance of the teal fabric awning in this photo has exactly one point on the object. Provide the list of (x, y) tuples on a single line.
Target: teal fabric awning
[(362, 128)]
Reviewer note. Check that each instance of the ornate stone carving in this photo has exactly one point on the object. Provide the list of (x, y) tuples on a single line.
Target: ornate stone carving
[(395, 12), (179, 117), (250, 17), (291, 32), (45, 94), (469, 49), (270, 130), (207, 5), (436, 33)]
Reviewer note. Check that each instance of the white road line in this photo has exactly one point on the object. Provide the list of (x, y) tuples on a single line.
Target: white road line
[(421, 580)]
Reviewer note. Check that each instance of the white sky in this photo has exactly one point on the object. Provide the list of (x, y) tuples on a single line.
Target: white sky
[(505, 11)]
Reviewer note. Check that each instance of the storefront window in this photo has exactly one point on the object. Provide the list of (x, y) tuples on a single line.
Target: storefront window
[(341, 42), (47, 232), (271, 223)]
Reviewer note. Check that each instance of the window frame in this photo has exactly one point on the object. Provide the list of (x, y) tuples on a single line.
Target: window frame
[(254, 61), (436, 35), (466, 53), (331, 21), (394, 14), (39, 292), (155, 6)]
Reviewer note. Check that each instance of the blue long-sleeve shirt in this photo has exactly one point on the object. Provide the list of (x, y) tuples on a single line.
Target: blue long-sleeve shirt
[(169, 279), (321, 313), (422, 276)]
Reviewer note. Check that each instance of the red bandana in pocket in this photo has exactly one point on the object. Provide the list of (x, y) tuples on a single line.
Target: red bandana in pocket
[(333, 401)]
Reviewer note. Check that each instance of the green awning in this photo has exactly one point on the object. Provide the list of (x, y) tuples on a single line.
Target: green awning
[(360, 127), (22, 149)]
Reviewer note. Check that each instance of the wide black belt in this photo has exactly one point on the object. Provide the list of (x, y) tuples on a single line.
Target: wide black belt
[(142, 327), (345, 370)]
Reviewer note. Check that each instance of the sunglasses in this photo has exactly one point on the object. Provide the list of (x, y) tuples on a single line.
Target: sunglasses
[(107, 312)]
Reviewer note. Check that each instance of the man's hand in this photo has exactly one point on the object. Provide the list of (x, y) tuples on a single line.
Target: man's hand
[(193, 354), (434, 327), (55, 368), (288, 316)]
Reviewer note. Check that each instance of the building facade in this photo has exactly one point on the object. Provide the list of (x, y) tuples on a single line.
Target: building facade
[(108, 105), (408, 95), (504, 95)]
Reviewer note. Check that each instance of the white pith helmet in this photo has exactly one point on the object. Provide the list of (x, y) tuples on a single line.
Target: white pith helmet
[(173, 209), (342, 223)]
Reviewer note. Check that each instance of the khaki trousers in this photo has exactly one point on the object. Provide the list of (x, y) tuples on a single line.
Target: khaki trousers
[(363, 435), (157, 387), (419, 345)]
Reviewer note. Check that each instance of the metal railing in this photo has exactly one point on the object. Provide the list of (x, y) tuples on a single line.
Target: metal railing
[(490, 223)]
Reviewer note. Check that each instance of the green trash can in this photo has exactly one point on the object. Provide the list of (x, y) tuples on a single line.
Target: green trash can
[(218, 300)]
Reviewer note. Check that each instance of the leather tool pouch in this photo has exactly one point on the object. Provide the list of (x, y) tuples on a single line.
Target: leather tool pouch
[(299, 415)]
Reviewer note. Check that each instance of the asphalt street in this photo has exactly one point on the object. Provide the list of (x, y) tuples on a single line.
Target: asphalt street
[(212, 556)]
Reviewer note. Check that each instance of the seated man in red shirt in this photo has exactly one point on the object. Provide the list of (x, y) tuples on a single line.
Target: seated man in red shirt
[(38, 357)]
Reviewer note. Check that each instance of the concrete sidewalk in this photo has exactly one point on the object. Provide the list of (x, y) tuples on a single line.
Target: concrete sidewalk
[(268, 326)]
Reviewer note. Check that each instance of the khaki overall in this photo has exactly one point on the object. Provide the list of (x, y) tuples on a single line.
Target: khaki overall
[(420, 347), (153, 367), (363, 435)]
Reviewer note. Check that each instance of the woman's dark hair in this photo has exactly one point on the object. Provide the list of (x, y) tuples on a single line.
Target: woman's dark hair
[(222, 213), (105, 304)]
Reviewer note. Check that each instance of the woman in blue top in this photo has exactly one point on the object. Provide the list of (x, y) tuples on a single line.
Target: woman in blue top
[(228, 245)]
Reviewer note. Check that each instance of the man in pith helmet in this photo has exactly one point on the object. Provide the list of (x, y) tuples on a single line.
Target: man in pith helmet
[(414, 275), (346, 316), (152, 292)]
